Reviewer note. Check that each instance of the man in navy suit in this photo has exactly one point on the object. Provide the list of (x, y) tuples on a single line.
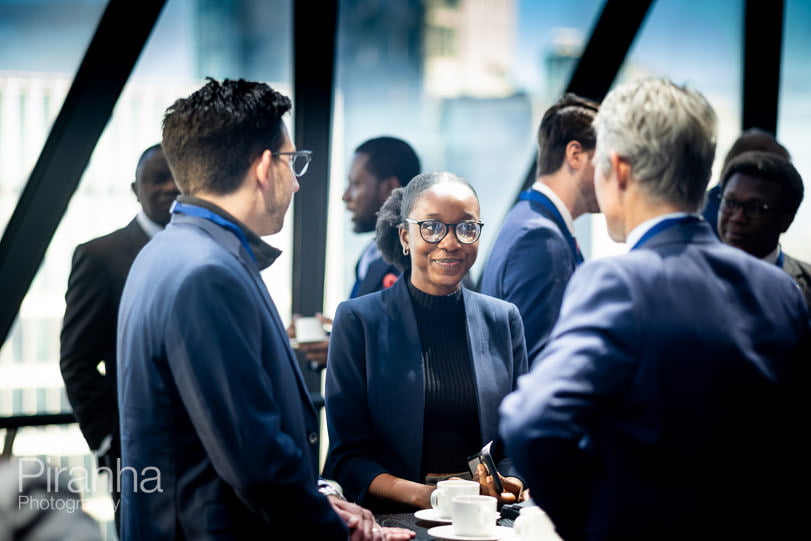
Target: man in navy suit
[(219, 437), (536, 253), (99, 269), (668, 401)]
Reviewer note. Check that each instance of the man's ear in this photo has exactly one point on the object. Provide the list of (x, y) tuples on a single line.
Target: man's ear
[(135, 190), (621, 170), (386, 186), (576, 156), (261, 167), (785, 221)]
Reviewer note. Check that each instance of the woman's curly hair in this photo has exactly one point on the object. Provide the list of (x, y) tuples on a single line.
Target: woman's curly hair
[(387, 231)]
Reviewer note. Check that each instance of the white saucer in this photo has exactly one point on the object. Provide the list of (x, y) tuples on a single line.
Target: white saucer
[(431, 515), (446, 532)]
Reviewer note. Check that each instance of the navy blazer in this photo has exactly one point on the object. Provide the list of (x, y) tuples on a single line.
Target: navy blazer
[(530, 264), (668, 402), (211, 398), (375, 390)]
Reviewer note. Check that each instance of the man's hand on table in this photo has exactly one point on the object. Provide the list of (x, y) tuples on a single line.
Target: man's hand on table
[(513, 487), (363, 526)]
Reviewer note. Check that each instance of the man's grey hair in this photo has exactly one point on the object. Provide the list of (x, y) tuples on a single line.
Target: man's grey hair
[(667, 133)]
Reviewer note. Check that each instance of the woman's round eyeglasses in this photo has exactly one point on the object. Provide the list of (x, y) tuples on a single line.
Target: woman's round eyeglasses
[(433, 231)]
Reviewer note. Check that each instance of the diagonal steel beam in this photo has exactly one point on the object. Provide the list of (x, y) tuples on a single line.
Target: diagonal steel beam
[(608, 45), (116, 45), (762, 52)]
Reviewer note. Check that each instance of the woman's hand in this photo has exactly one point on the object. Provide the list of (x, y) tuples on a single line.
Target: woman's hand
[(513, 487)]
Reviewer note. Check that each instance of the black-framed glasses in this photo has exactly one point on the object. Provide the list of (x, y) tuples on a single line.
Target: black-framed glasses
[(751, 209), (299, 161), (433, 231)]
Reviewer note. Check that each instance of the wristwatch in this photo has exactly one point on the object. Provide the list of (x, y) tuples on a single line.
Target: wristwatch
[(330, 488)]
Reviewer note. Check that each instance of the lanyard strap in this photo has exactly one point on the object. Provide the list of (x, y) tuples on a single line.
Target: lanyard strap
[(780, 259), (537, 197), (200, 212), (661, 226)]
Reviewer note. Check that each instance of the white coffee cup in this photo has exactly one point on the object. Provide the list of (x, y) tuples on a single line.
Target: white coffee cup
[(447, 490), (533, 524), (309, 329), (474, 516)]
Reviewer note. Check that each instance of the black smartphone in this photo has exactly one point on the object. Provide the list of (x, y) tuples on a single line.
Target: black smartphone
[(484, 457)]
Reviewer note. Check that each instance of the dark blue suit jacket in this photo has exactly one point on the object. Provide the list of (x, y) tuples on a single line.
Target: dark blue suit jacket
[(379, 275), (375, 390), (211, 397), (529, 266), (667, 402)]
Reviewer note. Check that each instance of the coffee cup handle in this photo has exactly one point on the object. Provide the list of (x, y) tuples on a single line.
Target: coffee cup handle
[(435, 498)]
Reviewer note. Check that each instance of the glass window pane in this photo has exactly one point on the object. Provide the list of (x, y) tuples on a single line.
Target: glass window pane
[(795, 116)]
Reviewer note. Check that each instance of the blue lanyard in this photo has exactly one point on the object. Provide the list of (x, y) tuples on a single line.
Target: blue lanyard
[(537, 197), (661, 226), (780, 259), (200, 212)]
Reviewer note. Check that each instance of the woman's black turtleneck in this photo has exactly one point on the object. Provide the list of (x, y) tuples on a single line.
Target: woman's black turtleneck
[(451, 432)]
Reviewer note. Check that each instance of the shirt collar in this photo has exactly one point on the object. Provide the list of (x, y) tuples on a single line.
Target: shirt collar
[(639, 231), (150, 228), (564, 212), (265, 253)]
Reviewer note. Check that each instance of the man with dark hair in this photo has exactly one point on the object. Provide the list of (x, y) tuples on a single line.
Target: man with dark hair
[(751, 139), (99, 269), (535, 252), (219, 437), (761, 193), (667, 402), (378, 166)]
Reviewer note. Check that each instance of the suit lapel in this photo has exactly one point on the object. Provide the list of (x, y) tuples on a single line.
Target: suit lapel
[(483, 365), (404, 352)]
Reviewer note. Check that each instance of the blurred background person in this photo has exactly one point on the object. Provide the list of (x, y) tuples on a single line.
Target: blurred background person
[(761, 192), (751, 139), (88, 340), (416, 371), (378, 166)]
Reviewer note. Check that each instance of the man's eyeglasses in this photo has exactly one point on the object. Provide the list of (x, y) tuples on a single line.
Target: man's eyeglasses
[(299, 161), (433, 231), (751, 209)]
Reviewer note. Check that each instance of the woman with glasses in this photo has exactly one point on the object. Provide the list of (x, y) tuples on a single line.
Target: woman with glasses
[(416, 372)]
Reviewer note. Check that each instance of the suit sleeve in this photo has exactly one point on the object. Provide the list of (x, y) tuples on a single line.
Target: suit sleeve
[(535, 276), (214, 348), (351, 459), (88, 323), (589, 362), (519, 358)]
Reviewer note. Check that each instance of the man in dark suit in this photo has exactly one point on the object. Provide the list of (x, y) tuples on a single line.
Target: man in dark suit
[(378, 166), (667, 402), (88, 352), (761, 193), (536, 253), (217, 429)]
